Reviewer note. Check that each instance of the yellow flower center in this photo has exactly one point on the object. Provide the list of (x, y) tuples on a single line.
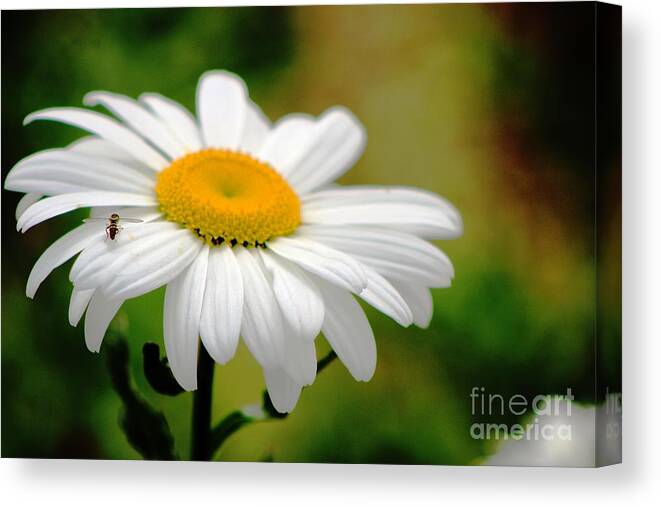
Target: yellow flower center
[(228, 197)]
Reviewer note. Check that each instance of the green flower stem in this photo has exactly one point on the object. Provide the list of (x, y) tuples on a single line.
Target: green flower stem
[(236, 420), (230, 424), (201, 433), (325, 361), (145, 428)]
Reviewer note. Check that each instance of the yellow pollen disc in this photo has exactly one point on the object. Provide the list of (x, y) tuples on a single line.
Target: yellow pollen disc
[(228, 197)]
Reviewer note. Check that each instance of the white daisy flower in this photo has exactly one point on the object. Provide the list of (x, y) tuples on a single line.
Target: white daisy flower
[(241, 222)]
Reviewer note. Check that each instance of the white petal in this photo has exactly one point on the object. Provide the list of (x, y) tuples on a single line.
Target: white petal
[(348, 331), (58, 253), (262, 326), (385, 298), (100, 313), (26, 201), (48, 186), (147, 266), (283, 391), (287, 143), (45, 170), (144, 213), (298, 297), (142, 121), (302, 310), (179, 120), (255, 130), (396, 255), (98, 147), (57, 180), (300, 358), (181, 320), (94, 266), (222, 310), (78, 303), (221, 108), (419, 300), (106, 128), (406, 209), (326, 262), (339, 140), (118, 167), (59, 204)]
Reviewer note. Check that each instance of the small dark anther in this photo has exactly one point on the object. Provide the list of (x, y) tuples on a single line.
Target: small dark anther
[(245, 243), (233, 242)]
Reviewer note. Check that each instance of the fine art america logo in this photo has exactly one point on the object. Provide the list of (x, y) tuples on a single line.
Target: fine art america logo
[(555, 411)]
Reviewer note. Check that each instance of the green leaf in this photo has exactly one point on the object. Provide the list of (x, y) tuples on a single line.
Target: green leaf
[(146, 429)]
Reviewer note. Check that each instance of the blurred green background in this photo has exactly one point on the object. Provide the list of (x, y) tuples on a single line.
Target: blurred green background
[(490, 106)]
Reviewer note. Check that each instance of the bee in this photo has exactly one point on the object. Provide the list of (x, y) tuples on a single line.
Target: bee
[(112, 224)]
